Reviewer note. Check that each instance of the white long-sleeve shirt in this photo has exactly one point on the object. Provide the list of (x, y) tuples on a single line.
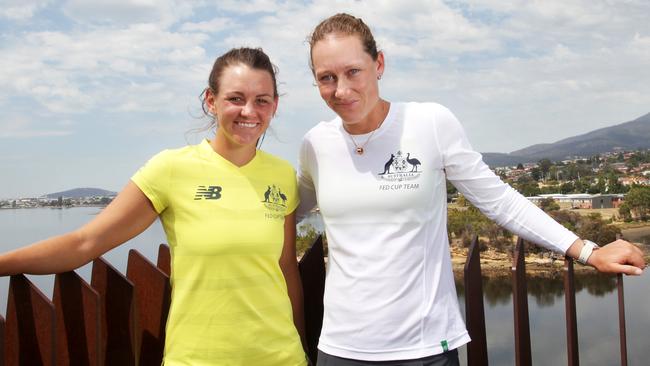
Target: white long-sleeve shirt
[(390, 290)]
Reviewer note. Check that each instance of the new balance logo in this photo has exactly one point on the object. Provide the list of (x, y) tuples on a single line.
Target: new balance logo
[(207, 193)]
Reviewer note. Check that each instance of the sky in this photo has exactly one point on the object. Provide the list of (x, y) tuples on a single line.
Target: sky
[(90, 90)]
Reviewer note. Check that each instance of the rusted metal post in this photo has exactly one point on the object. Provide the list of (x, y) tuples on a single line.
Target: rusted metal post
[(153, 296), (570, 311), (117, 309), (523, 355), (30, 325), (474, 311), (77, 307), (2, 341), (621, 319), (164, 259), (312, 273)]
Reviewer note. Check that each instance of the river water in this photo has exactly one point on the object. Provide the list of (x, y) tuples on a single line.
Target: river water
[(596, 299)]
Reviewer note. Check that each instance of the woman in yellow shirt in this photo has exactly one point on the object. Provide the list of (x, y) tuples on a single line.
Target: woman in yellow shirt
[(228, 211)]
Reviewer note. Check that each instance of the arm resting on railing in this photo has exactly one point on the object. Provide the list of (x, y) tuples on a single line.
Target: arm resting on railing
[(128, 215)]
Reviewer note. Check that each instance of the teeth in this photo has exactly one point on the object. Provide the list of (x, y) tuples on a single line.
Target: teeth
[(247, 125)]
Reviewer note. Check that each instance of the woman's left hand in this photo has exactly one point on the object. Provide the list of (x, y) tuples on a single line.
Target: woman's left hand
[(619, 256)]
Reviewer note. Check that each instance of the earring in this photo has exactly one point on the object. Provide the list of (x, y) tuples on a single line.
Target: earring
[(379, 77)]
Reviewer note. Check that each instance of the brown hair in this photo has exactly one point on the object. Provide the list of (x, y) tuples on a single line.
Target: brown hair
[(344, 24), (255, 58)]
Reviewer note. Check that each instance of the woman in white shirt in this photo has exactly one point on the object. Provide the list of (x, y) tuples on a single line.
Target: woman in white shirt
[(377, 172)]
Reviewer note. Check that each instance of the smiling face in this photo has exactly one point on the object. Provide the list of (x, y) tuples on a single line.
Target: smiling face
[(346, 76), (243, 106)]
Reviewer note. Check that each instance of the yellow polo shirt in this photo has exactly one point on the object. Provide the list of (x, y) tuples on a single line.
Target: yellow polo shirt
[(225, 228)]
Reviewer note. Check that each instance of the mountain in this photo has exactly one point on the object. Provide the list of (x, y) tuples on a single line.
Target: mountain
[(630, 135), (81, 192)]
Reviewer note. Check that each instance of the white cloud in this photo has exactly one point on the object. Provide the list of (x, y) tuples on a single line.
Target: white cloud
[(20, 10), (21, 126), (74, 72), (124, 12), (214, 25)]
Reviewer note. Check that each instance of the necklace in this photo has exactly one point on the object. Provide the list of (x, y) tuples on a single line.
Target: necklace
[(360, 149)]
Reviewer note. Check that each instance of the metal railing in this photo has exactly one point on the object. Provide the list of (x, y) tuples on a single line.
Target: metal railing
[(120, 320)]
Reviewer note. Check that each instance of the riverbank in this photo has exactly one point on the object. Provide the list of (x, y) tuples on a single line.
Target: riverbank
[(498, 264)]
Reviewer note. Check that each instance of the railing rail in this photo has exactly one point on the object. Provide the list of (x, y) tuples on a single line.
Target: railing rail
[(120, 320)]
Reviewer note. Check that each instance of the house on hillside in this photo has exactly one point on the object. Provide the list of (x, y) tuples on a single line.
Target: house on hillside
[(640, 180), (582, 200)]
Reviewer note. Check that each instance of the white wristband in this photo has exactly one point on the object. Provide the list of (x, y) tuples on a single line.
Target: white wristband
[(586, 251)]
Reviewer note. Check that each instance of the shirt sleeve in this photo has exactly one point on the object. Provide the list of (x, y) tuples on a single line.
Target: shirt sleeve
[(153, 180), (306, 189), (294, 198), (466, 170)]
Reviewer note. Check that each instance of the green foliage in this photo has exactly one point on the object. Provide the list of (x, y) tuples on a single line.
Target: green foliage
[(549, 204), (638, 201), (461, 201), (469, 220), (624, 212), (450, 188), (567, 187), (568, 219), (536, 173), (594, 228), (466, 223), (591, 227), (305, 238), (528, 189), (545, 165)]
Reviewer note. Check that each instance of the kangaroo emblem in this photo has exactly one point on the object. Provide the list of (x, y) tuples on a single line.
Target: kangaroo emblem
[(388, 164), (266, 194)]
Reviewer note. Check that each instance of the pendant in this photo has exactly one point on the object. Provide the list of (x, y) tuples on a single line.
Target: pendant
[(359, 150)]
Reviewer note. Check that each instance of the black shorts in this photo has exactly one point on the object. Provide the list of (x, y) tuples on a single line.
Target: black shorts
[(449, 358)]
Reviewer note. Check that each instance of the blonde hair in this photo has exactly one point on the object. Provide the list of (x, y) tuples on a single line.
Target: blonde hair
[(346, 24)]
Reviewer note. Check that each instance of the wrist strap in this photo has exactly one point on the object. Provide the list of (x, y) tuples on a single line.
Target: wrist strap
[(586, 251)]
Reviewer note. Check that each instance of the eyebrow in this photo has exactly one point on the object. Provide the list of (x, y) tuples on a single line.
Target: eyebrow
[(242, 94), (351, 65)]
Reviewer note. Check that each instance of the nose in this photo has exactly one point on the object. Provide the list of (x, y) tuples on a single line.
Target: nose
[(248, 110), (342, 89)]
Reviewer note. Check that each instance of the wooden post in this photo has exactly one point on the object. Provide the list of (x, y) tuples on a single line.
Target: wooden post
[(570, 313), (621, 319), (474, 311), (117, 309), (77, 307), (164, 259), (523, 355), (2, 341), (312, 273), (30, 325), (153, 293)]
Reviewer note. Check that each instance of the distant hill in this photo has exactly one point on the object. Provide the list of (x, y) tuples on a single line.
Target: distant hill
[(81, 192), (630, 135)]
